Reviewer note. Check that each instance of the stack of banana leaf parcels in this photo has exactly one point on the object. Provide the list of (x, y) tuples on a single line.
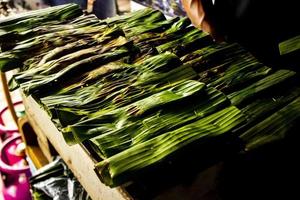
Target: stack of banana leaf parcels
[(139, 88)]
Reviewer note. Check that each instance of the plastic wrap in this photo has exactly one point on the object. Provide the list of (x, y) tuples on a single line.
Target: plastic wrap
[(55, 181)]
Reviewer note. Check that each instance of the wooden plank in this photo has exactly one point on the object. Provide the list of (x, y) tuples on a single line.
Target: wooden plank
[(75, 156), (32, 147), (37, 157), (34, 137), (44, 146)]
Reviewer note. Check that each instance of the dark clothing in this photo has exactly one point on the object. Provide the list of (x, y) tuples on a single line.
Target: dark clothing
[(259, 25), (81, 3), (104, 8)]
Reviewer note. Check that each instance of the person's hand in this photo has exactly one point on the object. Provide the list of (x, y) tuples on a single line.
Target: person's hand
[(200, 16)]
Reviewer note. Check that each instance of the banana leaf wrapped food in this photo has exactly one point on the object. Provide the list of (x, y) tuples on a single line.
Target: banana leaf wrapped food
[(139, 89), (119, 168), (136, 132), (278, 126), (116, 118)]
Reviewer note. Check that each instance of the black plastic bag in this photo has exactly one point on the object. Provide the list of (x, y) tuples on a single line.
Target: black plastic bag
[(55, 181)]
